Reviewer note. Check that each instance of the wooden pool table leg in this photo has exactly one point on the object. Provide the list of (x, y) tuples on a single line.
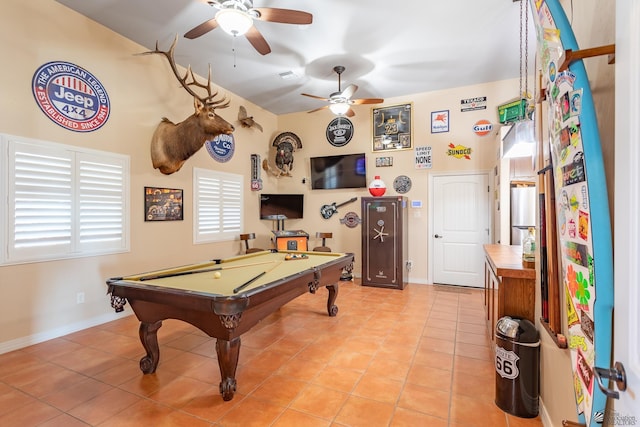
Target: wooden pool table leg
[(333, 294), (149, 337), (228, 352)]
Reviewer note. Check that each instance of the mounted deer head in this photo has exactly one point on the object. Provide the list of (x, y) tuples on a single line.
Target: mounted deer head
[(173, 143)]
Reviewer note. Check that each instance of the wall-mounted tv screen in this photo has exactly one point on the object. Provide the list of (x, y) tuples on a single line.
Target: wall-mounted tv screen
[(281, 206), (341, 171)]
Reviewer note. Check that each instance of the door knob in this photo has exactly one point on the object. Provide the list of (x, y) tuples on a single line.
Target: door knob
[(437, 236), (616, 374)]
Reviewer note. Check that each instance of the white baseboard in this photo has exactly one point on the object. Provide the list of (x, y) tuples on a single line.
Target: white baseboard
[(418, 281), (23, 342), (544, 416)]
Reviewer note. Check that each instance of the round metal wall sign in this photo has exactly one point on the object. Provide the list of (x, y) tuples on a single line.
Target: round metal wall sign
[(339, 131), (221, 147), (402, 184), (71, 96)]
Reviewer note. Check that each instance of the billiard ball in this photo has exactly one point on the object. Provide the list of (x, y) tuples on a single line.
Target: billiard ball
[(217, 275)]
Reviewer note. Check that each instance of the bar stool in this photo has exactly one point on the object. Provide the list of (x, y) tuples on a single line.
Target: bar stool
[(324, 237), (246, 237)]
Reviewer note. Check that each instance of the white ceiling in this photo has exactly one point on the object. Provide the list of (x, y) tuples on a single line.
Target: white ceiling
[(389, 48)]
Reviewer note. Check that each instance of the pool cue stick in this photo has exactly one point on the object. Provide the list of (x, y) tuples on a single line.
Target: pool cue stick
[(250, 281), (204, 270)]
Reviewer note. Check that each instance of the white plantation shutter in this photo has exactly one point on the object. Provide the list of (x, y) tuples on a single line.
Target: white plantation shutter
[(217, 205), (40, 201), (231, 204), (101, 203), (62, 201)]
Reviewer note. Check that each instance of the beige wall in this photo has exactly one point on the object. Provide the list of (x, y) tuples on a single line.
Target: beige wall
[(311, 129), (142, 90), (39, 299)]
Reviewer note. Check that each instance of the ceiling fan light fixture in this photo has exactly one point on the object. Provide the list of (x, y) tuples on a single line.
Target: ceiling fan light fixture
[(234, 22), (339, 108)]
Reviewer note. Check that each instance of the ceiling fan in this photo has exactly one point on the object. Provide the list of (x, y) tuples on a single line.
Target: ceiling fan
[(340, 102), (236, 17)]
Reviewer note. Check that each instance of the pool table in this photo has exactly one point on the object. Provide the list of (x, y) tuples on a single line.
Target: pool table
[(224, 298)]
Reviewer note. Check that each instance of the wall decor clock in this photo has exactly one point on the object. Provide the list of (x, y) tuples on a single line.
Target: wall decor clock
[(339, 131), (402, 184)]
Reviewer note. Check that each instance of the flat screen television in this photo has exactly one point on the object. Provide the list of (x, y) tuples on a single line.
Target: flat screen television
[(281, 206), (341, 171)]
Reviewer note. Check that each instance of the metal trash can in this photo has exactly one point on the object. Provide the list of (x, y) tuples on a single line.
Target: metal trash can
[(517, 367)]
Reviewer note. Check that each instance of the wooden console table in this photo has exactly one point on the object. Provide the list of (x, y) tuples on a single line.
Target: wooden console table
[(509, 288)]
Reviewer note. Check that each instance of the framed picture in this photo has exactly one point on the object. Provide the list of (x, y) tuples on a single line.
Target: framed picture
[(384, 162), (440, 121), (392, 127), (162, 204)]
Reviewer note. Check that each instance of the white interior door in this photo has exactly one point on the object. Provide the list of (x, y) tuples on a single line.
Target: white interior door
[(626, 333), (460, 218)]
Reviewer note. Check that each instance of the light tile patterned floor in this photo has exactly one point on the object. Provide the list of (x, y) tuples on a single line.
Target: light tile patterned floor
[(417, 357)]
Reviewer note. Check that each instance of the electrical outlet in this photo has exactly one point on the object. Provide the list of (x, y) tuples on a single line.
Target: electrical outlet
[(409, 265), (80, 298)]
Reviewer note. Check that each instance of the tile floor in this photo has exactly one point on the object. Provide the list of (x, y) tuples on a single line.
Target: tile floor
[(417, 357)]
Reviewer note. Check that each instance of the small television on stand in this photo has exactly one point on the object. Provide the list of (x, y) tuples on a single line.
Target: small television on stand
[(279, 207), (339, 171)]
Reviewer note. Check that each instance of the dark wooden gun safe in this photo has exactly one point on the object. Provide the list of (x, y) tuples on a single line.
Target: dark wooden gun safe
[(384, 241)]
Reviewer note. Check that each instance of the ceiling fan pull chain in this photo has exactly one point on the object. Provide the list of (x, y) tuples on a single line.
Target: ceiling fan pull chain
[(521, 68), (233, 49), (526, 50)]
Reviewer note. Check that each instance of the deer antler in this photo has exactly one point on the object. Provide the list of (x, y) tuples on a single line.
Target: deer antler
[(208, 100)]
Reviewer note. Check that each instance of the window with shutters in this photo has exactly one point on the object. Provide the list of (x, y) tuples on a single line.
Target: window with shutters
[(217, 205), (61, 201)]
